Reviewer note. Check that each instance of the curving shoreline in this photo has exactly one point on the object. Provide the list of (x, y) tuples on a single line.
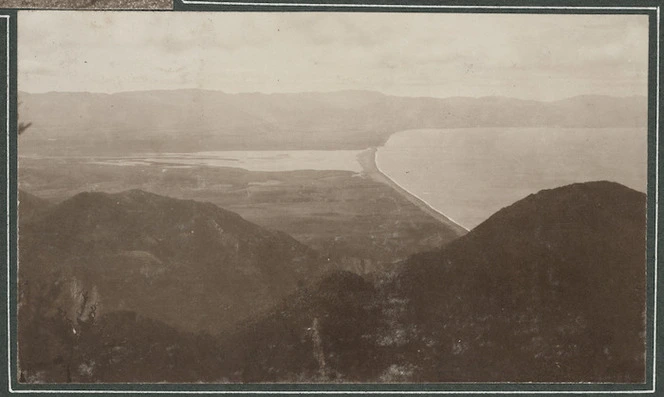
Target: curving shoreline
[(367, 160)]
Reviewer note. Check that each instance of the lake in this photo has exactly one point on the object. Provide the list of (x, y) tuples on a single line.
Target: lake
[(469, 174)]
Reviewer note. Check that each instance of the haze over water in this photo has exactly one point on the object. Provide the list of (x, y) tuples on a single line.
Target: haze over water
[(469, 174)]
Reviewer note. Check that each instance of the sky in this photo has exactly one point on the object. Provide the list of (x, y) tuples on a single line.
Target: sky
[(540, 57)]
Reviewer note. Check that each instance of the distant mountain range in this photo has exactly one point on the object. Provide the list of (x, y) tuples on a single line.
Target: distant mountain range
[(551, 288), (197, 120)]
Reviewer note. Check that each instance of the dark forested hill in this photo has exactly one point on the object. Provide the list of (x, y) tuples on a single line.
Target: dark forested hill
[(189, 264), (551, 288), (197, 120), (324, 332)]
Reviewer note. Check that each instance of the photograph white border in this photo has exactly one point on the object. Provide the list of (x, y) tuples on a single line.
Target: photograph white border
[(355, 6)]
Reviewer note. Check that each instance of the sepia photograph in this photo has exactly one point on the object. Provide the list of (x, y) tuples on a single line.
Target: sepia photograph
[(331, 197)]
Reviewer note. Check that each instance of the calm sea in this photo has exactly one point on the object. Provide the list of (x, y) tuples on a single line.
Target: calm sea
[(469, 174)]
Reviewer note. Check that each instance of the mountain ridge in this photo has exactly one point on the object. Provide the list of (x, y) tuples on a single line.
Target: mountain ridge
[(196, 120)]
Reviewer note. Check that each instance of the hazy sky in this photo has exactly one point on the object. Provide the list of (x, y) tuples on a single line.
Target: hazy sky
[(524, 56)]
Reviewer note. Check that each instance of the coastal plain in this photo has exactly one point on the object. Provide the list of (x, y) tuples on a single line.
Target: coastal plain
[(356, 220)]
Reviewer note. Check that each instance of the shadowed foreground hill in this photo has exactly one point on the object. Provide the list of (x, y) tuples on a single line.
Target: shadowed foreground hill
[(187, 263), (551, 288), (548, 289), (292, 343), (322, 333), (126, 347), (191, 265)]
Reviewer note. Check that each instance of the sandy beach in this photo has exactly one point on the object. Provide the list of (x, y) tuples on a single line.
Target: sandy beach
[(367, 160)]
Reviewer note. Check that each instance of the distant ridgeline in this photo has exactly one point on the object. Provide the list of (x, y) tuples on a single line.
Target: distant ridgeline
[(196, 120), (121, 288)]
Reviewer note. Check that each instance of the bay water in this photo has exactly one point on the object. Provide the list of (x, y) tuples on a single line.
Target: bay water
[(469, 174)]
